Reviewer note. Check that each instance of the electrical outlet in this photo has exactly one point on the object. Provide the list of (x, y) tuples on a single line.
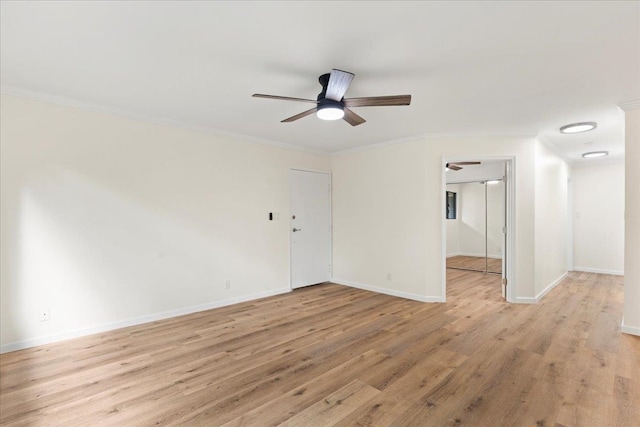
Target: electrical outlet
[(44, 314), (388, 276), (227, 284)]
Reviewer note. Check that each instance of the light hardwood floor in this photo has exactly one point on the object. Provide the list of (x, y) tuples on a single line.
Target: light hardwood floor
[(332, 355)]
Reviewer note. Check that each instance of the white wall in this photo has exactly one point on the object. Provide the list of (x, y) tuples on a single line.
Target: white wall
[(388, 210), (598, 218), (107, 220), (551, 219), (631, 322), (380, 204)]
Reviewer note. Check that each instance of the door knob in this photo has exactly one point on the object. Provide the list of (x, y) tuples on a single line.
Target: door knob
[(296, 229)]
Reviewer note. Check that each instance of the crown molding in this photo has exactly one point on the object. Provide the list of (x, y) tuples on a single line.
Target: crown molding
[(67, 102), (630, 106), (603, 161), (376, 145), (430, 136), (554, 149)]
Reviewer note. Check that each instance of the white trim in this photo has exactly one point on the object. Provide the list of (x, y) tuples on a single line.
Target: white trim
[(537, 298), (570, 214), (65, 102), (61, 336), (554, 149), (551, 286), (428, 136), (311, 170), (457, 181), (511, 215), (600, 162), (443, 229), (526, 300), (462, 158), (377, 145), (385, 291), (599, 271), (630, 106), (633, 330)]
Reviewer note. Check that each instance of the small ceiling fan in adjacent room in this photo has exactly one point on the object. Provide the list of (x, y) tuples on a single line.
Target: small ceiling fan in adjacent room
[(331, 104), (456, 166)]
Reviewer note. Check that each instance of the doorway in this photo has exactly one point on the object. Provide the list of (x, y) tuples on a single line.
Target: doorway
[(310, 227), (478, 219)]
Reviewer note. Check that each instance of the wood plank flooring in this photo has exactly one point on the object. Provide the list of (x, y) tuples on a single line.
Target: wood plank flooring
[(330, 355), (494, 265)]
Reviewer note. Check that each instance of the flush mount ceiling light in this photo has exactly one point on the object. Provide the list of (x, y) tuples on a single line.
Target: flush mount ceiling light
[(594, 154), (578, 127)]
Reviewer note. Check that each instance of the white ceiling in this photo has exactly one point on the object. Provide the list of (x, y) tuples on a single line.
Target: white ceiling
[(473, 68)]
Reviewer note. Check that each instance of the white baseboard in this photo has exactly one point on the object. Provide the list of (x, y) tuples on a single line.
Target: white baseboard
[(537, 298), (599, 271), (632, 330), (386, 291), (61, 336), (551, 286), (526, 300)]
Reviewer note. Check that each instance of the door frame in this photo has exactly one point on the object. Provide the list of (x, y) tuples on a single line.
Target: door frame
[(330, 213), (510, 220)]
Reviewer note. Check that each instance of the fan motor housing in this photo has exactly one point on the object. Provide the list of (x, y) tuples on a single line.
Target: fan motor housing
[(329, 103), (324, 82)]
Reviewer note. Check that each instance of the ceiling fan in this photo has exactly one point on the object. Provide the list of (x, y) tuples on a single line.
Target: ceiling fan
[(456, 166), (331, 104)]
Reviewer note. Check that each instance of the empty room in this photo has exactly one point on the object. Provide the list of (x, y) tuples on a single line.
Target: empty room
[(320, 213)]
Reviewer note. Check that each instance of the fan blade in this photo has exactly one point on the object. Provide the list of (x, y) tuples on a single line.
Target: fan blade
[(300, 115), (352, 118), (453, 167), (339, 82), (284, 98), (465, 163), (378, 101)]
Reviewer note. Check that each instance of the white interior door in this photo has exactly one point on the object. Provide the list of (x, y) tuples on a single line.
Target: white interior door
[(310, 229)]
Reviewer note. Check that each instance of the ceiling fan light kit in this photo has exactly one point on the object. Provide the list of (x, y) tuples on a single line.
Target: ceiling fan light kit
[(330, 110), (331, 104), (578, 127)]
